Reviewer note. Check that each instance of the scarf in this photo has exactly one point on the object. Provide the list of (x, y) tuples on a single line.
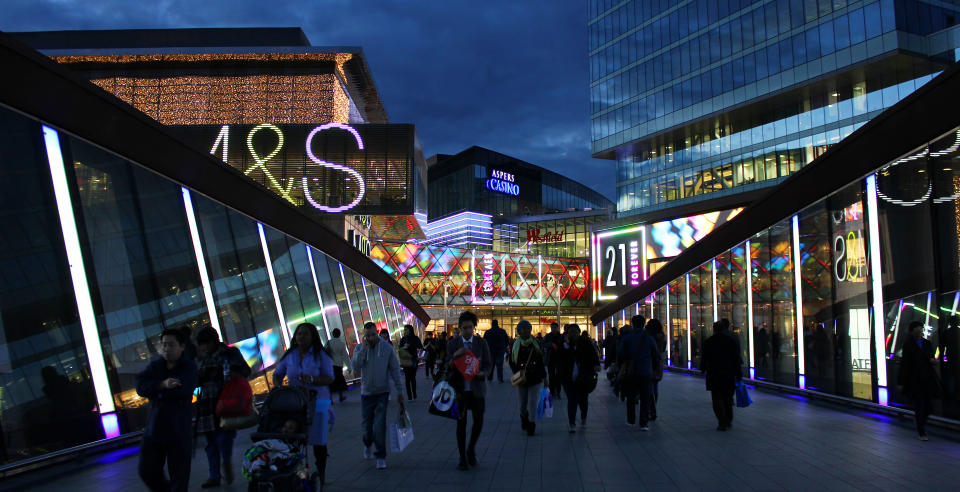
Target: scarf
[(523, 343)]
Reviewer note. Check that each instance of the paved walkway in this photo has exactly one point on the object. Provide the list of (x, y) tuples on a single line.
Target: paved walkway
[(779, 443)]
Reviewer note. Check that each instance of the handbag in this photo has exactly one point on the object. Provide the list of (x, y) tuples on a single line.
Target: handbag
[(401, 432), (443, 401), (241, 421), (519, 378), (545, 404), (236, 399)]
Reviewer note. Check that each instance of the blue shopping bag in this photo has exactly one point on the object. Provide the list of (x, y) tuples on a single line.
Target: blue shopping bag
[(545, 405), (743, 397)]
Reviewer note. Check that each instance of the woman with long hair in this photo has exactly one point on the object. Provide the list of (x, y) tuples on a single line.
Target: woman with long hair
[(307, 364)]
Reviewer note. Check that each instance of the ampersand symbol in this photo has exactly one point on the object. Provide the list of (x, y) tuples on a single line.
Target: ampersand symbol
[(361, 185), (260, 163)]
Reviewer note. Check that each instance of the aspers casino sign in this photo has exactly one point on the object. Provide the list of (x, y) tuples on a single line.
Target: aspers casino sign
[(502, 182)]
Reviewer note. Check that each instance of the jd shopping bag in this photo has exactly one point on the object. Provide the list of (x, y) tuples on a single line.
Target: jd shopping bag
[(401, 432), (443, 402), (743, 397), (545, 405)]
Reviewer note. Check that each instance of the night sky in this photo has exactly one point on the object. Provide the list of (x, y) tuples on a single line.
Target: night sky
[(511, 76)]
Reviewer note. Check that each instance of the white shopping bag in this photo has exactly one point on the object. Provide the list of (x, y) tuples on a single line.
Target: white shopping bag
[(401, 432)]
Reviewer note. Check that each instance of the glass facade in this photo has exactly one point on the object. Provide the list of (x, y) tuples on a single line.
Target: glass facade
[(822, 299), (565, 237), (788, 77), (99, 255)]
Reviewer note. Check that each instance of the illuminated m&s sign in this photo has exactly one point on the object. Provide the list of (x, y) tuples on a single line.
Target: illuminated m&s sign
[(502, 182)]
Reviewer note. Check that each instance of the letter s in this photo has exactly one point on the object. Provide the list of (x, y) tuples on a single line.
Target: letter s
[(353, 172)]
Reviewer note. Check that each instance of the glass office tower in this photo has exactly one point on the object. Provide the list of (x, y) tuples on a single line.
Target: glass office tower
[(702, 102)]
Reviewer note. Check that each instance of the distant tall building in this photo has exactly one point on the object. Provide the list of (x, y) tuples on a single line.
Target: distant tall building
[(703, 103)]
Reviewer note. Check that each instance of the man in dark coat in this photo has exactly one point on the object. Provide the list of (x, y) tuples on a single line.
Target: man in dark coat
[(497, 340), (168, 382), (918, 378), (551, 343), (636, 358), (218, 364), (473, 393), (721, 364)]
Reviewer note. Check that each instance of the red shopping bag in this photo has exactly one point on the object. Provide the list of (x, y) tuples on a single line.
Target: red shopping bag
[(468, 364), (236, 399)]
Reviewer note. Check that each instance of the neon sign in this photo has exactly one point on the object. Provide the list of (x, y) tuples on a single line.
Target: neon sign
[(618, 263), (535, 237), (502, 182), (488, 273), (634, 263), (286, 191)]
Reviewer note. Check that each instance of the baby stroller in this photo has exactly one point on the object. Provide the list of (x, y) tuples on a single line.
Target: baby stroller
[(277, 461)]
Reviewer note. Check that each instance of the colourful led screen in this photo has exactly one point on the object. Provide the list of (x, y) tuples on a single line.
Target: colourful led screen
[(671, 237)]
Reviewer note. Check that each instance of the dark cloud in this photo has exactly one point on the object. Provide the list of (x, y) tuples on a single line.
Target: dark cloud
[(511, 76)]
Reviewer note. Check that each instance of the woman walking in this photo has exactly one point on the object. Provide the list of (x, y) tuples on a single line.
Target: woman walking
[(307, 364), (918, 378), (410, 343), (655, 329), (341, 359), (578, 364), (526, 356)]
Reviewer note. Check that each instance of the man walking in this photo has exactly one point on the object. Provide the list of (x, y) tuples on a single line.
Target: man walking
[(376, 362), (219, 364), (473, 393), (340, 358), (497, 340), (551, 343), (636, 358), (168, 383), (721, 364)]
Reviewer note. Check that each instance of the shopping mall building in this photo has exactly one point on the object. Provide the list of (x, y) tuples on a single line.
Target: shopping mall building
[(506, 237), (820, 147), (117, 226)]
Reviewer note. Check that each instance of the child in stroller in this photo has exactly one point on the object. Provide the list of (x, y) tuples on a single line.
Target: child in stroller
[(277, 459)]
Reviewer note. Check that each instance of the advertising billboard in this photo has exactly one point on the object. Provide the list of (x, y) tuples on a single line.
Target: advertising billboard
[(364, 169), (618, 263)]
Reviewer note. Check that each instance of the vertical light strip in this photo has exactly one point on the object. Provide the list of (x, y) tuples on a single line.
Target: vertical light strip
[(686, 283), (713, 271), (540, 279), (78, 274), (873, 226), (748, 261), (316, 285), (643, 252), (797, 260), (284, 329), (201, 261), (346, 292), (669, 327), (366, 297), (473, 282)]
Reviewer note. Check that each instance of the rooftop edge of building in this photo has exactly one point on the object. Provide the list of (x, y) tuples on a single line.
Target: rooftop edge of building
[(167, 38)]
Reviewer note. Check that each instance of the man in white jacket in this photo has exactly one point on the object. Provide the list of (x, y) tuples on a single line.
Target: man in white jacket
[(341, 360), (377, 363)]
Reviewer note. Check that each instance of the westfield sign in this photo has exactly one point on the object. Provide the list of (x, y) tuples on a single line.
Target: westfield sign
[(534, 236)]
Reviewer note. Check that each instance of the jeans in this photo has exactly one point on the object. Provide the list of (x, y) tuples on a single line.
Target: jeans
[(529, 398), (374, 417), (922, 406), (723, 406), (219, 446), (575, 399), (476, 405), (634, 390), (498, 366), (410, 378), (176, 455)]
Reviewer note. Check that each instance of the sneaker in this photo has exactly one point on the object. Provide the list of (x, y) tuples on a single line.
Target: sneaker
[(462, 466), (573, 429), (367, 453), (210, 483), (631, 425), (381, 464), (923, 438), (644, 428)]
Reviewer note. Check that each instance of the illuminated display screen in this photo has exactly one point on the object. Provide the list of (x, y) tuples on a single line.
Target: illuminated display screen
[(329, 168), (671, 237), (618, 263)]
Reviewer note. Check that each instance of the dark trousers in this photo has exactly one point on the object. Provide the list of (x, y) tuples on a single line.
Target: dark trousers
[(556, 382), (410, 377), (575, 399), (430, 367), (476, 405), (498, 366), (374, 421), (922, 407), (723, 405), (176, 456), (219, 446), (637, 390), (654, 395)]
